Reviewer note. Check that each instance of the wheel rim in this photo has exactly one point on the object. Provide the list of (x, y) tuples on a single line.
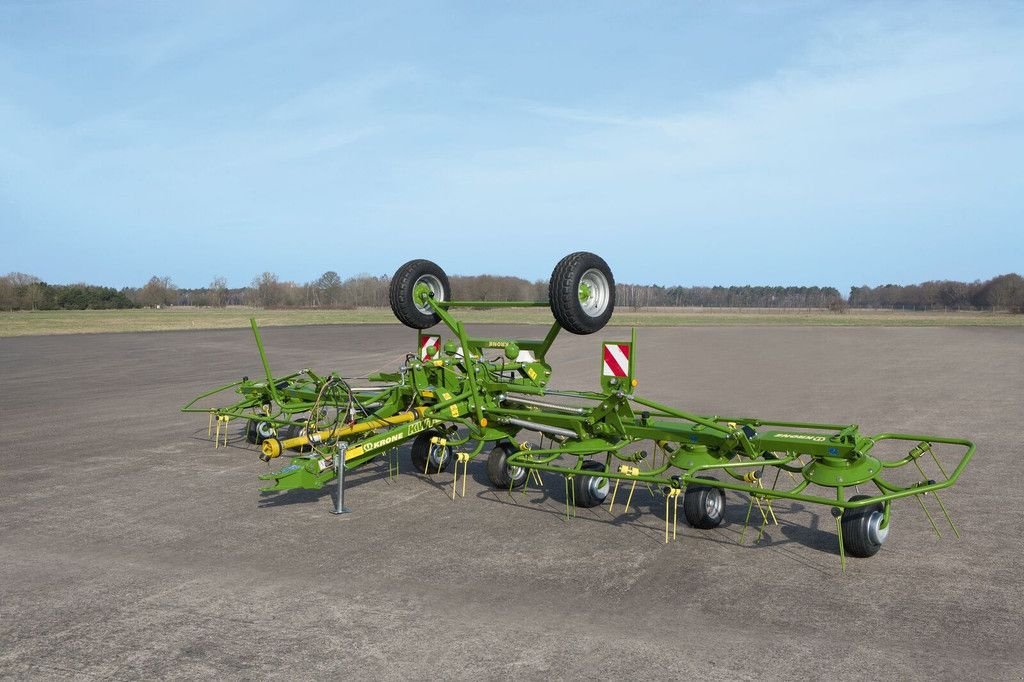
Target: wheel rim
[(264, 429), (598, 487), (438, 456), (876, 533), (432, 285), (713, 504), (594, 292)]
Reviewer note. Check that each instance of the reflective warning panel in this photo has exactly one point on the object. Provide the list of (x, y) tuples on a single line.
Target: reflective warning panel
[(616, 360), (428, 341), (618, 365)]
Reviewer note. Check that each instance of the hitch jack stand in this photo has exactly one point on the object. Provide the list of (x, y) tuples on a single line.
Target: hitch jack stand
[(339, 469)]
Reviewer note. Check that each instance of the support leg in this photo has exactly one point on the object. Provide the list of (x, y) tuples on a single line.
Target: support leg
[(339, 469)]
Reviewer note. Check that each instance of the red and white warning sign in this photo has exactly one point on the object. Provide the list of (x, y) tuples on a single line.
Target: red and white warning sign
[(426, 341), (616, 360)]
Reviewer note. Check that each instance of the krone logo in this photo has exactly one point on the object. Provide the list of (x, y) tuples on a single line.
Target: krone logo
[(801, 436)]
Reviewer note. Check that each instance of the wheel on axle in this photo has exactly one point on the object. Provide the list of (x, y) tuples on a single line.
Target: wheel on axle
[(410, 283), (500, 474), (590, 491), (427, 457), (294, 431), (581, 292), (863, 534), (704, 505), (257, 431)]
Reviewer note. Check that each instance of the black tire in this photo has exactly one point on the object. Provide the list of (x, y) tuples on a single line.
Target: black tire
[(403, 284), (422, 449), (499, 473), (862, 536), (590, 491), (574, 275), (256, 431), (704, 505), (293, 432)]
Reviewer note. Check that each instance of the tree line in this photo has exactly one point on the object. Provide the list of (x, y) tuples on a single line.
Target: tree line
[(19, 291), (1005, 292)]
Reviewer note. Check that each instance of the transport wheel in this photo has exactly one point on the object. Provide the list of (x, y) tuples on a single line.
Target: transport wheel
[(256, 431), (863, 534), (500, 474), (582, 293), (422, 449), (704, 506), (409, 281), (590, 491), (294, 432)]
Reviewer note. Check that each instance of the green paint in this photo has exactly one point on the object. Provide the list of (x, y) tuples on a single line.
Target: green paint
[(474, 393)]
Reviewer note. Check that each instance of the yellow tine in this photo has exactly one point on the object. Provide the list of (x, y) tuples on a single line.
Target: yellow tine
[(675, 517), (666, 521), (615, 491), (630, 498), (465, 475)]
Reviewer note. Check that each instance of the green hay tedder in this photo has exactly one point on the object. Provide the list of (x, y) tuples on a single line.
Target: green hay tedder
[(459, 398)]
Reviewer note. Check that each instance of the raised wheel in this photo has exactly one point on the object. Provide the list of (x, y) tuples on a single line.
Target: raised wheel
[(704, 505), (582, 293), (500, 474), (590, 491), (428, 458), (863, 534), (413, 281), (256, 431)]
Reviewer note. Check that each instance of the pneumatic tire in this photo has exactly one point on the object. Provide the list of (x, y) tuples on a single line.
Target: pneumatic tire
[(402, 294), (863, 535), (294, 431), (499, 473), (590, 491), (704, 506), (423, 450), (581, 292), (258, 431)]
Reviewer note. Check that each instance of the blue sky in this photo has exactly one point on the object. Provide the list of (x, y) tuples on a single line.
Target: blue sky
[(688, 143)]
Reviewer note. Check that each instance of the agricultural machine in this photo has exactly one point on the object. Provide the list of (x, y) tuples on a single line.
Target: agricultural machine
[(464, 397)]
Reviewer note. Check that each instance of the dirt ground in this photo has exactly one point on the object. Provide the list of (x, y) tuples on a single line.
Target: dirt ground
[(131, 548)]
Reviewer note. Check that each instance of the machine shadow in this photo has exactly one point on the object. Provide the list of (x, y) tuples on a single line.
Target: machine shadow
[(550, 499)]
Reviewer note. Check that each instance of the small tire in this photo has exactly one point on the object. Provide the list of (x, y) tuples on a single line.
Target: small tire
[(294, 431), (581, 293), (590, 491), (257, 431), (423, 450), (863, 535), (704, 506), (402, 293), (499, 473)]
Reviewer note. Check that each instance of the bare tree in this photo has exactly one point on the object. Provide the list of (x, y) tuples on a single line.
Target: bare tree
[(218, 292), (267, 290), (158, 291), (8, 293)]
